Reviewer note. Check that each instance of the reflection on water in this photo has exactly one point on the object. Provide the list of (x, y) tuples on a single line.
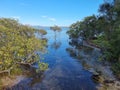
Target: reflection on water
[(55, 45), (89, 58), (65, 72), (57, 41), (85, 55)]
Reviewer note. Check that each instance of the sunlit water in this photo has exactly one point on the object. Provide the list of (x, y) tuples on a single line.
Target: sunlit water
[(65, 72)]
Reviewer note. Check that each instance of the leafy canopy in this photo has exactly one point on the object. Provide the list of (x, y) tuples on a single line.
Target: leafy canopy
[(18, 43)]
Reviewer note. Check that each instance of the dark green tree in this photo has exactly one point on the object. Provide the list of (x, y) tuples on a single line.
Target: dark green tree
[(55, 29)]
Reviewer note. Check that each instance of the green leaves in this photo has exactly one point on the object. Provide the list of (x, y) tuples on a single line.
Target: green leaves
[(103, 30), (86, 28), (18, 43), (55, 28)]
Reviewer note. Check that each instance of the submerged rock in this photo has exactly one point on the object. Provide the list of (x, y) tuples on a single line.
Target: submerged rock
[(97, 78), (109, 81), (117, 84)]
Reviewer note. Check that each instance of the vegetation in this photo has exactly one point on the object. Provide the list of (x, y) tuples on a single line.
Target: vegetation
[(103, 30), (18, 44), (55, 29), (56, 44), (42, 32)]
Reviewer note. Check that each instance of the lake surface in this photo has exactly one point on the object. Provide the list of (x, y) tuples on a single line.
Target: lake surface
[(66, 71)]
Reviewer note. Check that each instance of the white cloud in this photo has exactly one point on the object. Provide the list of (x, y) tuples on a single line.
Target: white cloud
[(52, 19), (49, 18), (44, 16)]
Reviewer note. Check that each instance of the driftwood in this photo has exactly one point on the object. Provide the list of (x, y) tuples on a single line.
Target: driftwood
[(6, 71), (27, 65), (9, 70), (94, 45)]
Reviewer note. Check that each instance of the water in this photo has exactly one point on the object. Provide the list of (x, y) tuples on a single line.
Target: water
[(65, 71)]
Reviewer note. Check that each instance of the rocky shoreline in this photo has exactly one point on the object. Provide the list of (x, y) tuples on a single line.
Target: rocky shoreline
[(101, 71), (106, 83)]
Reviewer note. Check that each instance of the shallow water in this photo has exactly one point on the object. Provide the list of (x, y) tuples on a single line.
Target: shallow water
[(65, 71)]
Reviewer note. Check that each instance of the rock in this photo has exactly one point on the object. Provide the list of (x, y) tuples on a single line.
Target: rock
[(117, 84), (98, 78), (109, 81), (93, 71)]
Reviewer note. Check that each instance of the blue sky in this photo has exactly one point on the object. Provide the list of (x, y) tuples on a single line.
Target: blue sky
[(48, 12)]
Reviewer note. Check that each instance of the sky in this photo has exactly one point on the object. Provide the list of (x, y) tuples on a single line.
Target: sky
[(48, 12)]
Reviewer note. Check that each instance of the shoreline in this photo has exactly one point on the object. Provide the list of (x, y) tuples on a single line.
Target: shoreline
[(109, 84)]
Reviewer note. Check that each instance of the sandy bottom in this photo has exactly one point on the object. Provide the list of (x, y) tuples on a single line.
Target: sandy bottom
[(11, 81)]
